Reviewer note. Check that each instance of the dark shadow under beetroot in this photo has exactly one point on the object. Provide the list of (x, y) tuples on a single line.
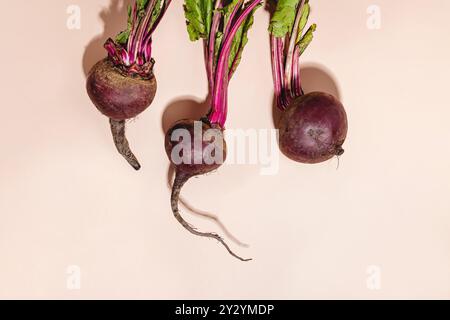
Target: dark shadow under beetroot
[(183, 108)]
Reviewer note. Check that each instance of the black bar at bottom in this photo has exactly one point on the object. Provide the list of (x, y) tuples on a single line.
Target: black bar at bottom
[(243, 309)]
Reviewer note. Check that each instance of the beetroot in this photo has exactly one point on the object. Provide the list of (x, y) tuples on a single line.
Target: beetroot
[(118, 96), (313, 127), (123, 85), (205, 164), (223, 27)]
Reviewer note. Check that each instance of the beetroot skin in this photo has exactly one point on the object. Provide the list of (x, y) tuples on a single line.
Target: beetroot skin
[(117, 96), (313, 128)]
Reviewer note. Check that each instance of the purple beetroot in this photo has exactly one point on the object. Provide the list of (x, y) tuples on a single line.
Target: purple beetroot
[(123, 85), (313, 127), (223, 27)]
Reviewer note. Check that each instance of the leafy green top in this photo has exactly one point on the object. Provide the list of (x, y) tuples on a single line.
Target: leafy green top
[(283, 18), (199, 18), (283, 21)]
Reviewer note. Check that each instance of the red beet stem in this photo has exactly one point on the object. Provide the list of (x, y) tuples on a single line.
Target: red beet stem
[(219, 101)]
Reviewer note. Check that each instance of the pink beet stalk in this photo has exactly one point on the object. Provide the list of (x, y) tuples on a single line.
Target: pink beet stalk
[(290, 54), (220, 96), (277, 49), (286, 52), (210, 45), (136, 56)]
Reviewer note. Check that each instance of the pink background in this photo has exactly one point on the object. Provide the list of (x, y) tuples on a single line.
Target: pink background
[(67, 198)]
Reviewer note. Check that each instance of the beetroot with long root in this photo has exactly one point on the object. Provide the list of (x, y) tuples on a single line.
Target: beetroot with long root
[(123, 85), (313, 127), (198, 147), (202, 163)]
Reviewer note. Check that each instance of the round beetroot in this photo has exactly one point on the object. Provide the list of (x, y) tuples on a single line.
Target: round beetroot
[(116, 95), (120, 96), (313, 128)]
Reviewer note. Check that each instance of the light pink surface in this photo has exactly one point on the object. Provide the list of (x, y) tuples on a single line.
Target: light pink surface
[(67, 198)]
